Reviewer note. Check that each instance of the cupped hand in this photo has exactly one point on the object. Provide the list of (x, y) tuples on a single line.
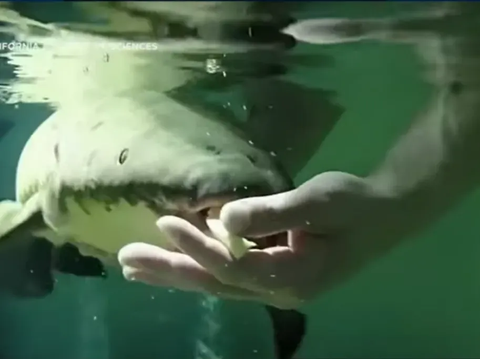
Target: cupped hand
[(336, 223)]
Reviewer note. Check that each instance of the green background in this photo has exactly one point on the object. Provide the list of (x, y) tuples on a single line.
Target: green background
[(422, 301)]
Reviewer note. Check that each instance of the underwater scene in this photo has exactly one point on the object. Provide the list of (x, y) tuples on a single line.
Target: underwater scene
[(114, 114)]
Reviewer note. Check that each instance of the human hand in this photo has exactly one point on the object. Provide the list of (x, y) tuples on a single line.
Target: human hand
[(336, 223)]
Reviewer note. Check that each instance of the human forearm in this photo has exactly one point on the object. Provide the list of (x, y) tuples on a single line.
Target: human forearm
[(437, 161)]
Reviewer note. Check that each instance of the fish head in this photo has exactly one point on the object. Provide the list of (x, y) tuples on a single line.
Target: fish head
[(148, 148)]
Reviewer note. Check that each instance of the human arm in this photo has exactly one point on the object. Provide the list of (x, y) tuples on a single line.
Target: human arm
[(337, 223)]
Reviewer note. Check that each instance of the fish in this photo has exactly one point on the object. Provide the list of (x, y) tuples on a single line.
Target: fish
[(124, 148)]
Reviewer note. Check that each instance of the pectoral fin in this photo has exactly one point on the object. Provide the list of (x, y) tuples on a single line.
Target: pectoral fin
[(69, 260), (17, 218), (25, 261)]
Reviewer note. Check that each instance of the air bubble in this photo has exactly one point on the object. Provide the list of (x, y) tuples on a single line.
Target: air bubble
[(212, 66)]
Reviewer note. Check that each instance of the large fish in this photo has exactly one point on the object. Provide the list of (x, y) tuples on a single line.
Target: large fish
[(127, 143)]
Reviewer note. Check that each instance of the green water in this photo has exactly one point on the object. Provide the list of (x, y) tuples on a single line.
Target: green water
[(422, 301)]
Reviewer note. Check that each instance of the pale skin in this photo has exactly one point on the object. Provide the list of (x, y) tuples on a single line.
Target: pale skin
[(338, 223)]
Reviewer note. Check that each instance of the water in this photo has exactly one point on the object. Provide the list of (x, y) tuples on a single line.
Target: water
[(421, 302)]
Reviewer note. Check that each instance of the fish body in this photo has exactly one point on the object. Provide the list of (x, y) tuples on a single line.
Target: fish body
[(109, 170), (91, 181)]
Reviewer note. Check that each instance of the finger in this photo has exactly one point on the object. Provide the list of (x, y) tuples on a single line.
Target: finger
[(261, 216), (264, 271), (210, 253), (156, 280), (256, 272), (162, 262), (271, 272), (157, 267)]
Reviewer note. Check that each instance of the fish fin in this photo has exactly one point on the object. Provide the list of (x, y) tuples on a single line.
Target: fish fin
[(290, 120), (17, 218), (39, 276), (27, 259), (299, 116), (289, 328), (69, 260)]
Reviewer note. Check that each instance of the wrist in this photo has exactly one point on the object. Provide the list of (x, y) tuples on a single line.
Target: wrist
[(420, 205)]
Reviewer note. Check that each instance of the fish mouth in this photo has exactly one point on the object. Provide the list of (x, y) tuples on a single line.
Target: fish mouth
[(211, 208)]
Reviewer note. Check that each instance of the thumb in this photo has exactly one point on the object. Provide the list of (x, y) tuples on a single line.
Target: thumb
[(261, 216)]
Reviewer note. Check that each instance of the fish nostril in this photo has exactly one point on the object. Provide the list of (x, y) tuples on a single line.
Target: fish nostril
[(56, 152), (252, 159), (123, 156), (213, 149)]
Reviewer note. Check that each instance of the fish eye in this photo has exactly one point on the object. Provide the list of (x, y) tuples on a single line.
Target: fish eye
[(123, 156)]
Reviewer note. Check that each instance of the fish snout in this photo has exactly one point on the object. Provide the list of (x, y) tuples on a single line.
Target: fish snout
[(218, 191)]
